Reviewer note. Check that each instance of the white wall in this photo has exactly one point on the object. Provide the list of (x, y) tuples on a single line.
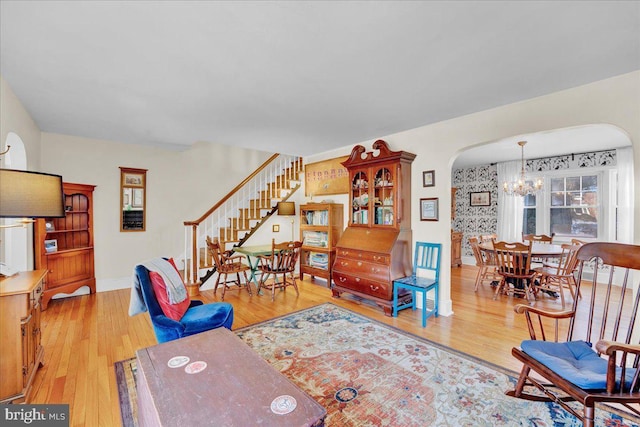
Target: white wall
[(613, 101), (181, 186)]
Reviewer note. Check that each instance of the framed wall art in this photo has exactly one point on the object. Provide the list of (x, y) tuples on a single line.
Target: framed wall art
[(429, 209), (428, 178), (480, 198), (326, 177)]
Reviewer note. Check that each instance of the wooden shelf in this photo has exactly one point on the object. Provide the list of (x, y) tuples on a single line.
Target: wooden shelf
[(71, 266), (321, 222)]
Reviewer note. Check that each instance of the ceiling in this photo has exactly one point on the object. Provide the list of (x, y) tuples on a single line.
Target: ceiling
[(298, 77)]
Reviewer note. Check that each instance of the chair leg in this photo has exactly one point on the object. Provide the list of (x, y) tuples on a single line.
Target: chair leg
[(247, 283), (224, 286), (478, 279), (589, 416), (215, 289), (522, 380), (424, 308), (499, 288), (295, 285), (395, 300)]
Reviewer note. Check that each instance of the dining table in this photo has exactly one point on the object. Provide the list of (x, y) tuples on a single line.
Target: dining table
[(538, 250), (252, 253)]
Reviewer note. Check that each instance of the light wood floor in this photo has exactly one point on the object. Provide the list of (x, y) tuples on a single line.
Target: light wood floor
[(83, 336)]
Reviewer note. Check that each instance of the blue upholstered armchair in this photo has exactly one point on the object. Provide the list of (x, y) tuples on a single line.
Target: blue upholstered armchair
[(199, 317)]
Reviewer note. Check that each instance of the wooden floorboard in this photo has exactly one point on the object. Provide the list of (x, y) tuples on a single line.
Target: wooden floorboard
[(83, 336)]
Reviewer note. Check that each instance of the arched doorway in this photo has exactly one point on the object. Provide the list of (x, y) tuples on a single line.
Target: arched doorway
[(14, 247)]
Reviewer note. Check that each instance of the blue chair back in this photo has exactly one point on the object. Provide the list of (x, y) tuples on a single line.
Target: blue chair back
[(427, 258)]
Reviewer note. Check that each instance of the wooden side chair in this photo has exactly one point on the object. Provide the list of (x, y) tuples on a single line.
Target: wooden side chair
[(282, 261), (486, 263), (487, 238), (514, 267), (554, 278), (425, 279), (539, 238), (597, 360), (227, 264)]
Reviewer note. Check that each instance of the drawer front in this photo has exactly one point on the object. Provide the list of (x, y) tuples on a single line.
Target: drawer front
[(359, 268), (364, 256), (364, 285)]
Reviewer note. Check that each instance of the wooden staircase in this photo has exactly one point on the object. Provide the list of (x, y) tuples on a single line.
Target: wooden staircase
[(234, 219)]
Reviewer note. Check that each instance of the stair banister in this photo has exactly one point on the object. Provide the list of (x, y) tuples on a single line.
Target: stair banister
[(236, 200)]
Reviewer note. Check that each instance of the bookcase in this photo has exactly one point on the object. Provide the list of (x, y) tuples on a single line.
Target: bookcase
[(321, 226), (64, 246)]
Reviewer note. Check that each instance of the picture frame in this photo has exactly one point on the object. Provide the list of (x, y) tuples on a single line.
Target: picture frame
[(50, 246), (480, 198), (275, 228), (429, 178), (133, 179), (429, 209)]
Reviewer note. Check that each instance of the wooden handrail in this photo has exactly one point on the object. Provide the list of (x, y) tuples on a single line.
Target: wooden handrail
[(232, 192)]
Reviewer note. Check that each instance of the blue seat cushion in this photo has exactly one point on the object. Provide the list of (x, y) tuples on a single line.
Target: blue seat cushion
[(418, 282), (207, 316), (575, 361)]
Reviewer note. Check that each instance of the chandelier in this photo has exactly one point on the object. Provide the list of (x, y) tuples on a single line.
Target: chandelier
[(523, 185)]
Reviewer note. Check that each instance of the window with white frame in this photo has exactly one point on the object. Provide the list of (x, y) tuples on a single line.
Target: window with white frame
[(577, 204)]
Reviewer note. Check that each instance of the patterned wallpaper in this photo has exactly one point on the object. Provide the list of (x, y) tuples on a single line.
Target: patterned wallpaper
[(473, 221)]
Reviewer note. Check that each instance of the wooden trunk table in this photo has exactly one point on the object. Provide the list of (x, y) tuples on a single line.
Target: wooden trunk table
[(236, 388)]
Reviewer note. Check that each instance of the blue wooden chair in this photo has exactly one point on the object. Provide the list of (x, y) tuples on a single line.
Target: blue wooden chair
[(425, 278)]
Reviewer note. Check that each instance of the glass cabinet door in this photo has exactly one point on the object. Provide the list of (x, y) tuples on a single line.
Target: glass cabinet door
[(360, 198), (383, 199)]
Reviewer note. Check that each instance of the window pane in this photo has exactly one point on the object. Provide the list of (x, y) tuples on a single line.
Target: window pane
[(530, 200), (573, 222), (557, 184), (573, 183), (590, 183), (557, 199), (529, 221)]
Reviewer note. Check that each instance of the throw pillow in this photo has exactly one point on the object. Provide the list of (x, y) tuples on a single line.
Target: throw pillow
[(172, 311)]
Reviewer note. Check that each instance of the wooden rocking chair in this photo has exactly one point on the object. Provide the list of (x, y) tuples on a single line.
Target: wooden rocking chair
[(598, 362)]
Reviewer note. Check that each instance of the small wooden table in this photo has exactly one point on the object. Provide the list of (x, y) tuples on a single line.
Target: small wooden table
[(236, 388), (254, 251)]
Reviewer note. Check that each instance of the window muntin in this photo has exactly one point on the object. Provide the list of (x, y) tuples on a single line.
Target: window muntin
[(574, 206)]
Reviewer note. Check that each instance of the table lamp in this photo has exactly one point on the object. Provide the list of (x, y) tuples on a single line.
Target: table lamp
[(287, 209), (28, 195)]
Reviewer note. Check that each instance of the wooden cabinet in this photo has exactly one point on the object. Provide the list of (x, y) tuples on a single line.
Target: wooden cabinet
[(70, 260), (375, 249), (21, 350), (456, 248), (321, 226)]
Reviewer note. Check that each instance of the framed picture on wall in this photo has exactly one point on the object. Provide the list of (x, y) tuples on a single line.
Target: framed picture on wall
[(429, 209), (480, 198), (428, 178)]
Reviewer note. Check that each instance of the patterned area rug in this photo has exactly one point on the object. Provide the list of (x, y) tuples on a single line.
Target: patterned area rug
[(366, 373)]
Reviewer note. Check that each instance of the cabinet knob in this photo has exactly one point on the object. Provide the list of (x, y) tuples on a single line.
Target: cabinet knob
[(377, 258), (374, 288), (343, 263), (359, 263), (375, 270), (342, 279), (357, 279)]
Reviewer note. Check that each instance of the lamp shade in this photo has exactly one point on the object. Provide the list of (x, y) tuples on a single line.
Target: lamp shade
[(286, 208), (25, 194)]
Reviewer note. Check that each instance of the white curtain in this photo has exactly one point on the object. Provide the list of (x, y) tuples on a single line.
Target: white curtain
[(624, 159), (510, 208)]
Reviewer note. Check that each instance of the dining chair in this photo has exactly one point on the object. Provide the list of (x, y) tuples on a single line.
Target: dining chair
[(556, 278), (282, 261), (425, 278), (486, 238), (228, 264), (597, 360), (486, 263), (539, 238), (514, 267)]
